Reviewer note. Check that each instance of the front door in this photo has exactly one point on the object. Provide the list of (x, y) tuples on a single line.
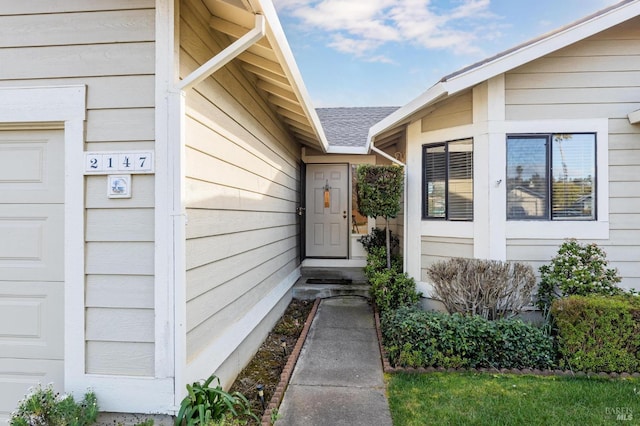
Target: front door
[(31, 263), (326, 224)]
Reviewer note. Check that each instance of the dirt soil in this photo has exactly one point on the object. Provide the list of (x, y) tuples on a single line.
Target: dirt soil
[(266, 366)]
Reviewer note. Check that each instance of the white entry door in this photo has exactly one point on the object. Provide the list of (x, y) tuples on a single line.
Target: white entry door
[(31, 263), (327, 224)]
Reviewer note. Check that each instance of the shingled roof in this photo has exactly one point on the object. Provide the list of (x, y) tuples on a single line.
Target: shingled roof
[(350, 126)]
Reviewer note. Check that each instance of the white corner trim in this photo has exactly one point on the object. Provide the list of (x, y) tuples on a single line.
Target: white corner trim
[(169, 260), (67, 105), (634, 117), (212, 357)]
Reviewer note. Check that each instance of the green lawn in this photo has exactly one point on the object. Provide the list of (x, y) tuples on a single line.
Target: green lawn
[(495, 399)]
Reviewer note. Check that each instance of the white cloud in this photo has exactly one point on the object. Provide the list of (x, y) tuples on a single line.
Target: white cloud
[(361, 27)]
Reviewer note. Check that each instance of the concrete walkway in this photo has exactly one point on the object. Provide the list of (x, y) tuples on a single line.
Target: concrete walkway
[(338, 379)]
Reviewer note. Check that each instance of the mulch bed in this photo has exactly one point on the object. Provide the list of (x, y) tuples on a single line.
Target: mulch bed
[(271, 366)]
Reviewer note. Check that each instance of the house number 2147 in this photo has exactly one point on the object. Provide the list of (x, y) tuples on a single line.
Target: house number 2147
[(119, 162)]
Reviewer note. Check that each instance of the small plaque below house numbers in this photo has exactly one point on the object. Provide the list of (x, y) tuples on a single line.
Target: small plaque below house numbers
[(119, 186), (131, 162)]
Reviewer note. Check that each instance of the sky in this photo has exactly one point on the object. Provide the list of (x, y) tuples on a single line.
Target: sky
[(388, 52)]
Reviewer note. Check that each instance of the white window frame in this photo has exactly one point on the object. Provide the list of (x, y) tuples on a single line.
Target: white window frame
[(581, 229)]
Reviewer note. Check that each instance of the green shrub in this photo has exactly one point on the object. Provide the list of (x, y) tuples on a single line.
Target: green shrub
[(415, 338), (377, 262), (577, 269), (45, 407), (489, 288), (378, 239), (205, 405), (391, 289), (597, 333)]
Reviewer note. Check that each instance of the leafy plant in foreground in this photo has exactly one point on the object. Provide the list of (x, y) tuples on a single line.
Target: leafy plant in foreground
[(46, 407), (205, 404), (577, 269)]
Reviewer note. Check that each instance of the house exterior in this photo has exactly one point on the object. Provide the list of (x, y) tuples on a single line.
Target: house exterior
[(510, 156), (151, 178)]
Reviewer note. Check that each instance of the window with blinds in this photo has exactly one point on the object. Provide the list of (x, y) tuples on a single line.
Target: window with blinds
[(448, 180), (551, 176)]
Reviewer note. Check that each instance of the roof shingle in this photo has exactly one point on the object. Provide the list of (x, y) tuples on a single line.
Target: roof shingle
[(349, 126)]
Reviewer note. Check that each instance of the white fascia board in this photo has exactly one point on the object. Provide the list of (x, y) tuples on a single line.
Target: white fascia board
[(634, 117), (283, 51), (434, 93), (347, 150), (543, 47), (508, 62)]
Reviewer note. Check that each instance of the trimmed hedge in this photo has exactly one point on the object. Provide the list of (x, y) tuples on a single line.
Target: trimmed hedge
[(416, 338), (598, 333)]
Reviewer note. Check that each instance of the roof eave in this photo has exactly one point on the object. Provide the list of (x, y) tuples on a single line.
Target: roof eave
[(513, 58), (283, 51), (399, 117)]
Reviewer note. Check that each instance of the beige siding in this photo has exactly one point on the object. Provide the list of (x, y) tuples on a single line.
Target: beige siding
[(597, 77), (435, 249), (455, 111), (107, 45), (622, 251), (242, 188)]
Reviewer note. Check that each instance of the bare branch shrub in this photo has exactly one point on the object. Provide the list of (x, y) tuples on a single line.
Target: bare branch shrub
[(489, 288)]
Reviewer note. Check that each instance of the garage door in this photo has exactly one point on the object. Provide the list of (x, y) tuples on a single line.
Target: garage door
[(31, 262)]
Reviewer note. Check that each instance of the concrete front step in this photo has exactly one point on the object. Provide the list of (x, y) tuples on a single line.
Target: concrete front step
[(305, 291)]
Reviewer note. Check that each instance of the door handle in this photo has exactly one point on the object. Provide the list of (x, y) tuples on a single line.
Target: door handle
[(344, 214)]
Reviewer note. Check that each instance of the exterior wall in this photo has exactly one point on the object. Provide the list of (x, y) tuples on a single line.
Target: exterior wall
[(435, 249), (241, 193), (597, 77), (454, 111), (109, 47), (431, 240)]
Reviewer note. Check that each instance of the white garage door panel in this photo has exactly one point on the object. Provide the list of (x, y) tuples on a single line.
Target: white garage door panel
[(32, 167), (31, 262), (30, 242), (31, 317), (16, 376)]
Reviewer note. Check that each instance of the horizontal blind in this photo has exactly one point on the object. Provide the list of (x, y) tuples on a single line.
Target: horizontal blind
[(573, 176), (435, 180), (460, 194), (527, 184)]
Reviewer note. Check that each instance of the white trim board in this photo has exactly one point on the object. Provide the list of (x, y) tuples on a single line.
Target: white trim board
[(67, 105)]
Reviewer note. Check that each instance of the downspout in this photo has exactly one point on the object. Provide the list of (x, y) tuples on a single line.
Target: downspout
[(226, 56), (404, 201)]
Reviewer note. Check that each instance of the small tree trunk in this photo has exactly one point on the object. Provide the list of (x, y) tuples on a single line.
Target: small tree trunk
[(388, 234)]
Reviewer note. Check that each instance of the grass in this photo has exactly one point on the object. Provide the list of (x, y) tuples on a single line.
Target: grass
[(496, 399)]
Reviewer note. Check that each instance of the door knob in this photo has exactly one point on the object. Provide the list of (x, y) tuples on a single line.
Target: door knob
[(344, 214)]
